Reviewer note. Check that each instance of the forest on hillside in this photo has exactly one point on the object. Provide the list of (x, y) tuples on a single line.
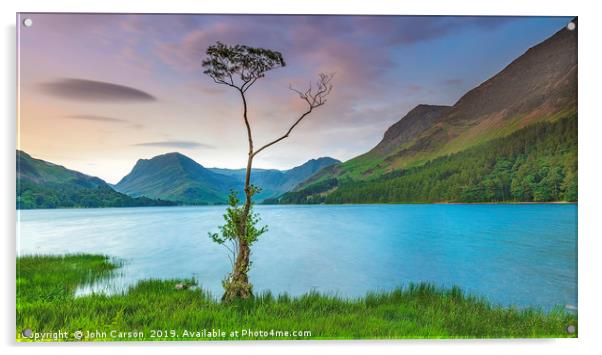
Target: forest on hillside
[(535, 164), (70, 195)]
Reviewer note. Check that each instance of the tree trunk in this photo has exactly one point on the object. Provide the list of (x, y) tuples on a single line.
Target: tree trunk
[(238, 286)]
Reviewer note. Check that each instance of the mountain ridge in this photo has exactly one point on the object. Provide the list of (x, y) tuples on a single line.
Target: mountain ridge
[(176, 177)]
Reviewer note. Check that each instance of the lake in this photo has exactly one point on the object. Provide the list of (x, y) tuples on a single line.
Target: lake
[(523, 255)]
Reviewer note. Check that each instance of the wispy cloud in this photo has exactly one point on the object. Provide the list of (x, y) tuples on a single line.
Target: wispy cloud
[(92, 90), (105, 119), (175, 144), (97, 118)]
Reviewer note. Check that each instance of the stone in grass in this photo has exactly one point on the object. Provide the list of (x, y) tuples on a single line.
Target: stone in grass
[(186, 286)]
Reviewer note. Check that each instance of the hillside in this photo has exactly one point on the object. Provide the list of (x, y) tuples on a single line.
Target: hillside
[(41, 184), (274, 182), (535, 164), (176, 177), (539, 86)]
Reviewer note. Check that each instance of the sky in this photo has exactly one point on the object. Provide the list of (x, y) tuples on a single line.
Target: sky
[(97, 92)]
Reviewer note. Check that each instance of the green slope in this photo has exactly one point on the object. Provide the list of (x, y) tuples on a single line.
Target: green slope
[(176, 177), (41, 184), (535, 164), (274, 183)]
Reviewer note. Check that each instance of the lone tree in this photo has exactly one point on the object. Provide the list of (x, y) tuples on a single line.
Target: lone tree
[(239, 67)]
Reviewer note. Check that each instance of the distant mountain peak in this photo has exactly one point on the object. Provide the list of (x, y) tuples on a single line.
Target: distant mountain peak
[(318, 160), (174, 176), (168, 156)]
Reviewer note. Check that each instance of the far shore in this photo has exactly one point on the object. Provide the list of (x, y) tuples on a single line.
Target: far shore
[(327, 204)]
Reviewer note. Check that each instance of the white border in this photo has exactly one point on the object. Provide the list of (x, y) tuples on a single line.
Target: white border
[(590, 131)]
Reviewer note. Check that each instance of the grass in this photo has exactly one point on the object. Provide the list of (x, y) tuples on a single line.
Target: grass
[(156, 310)]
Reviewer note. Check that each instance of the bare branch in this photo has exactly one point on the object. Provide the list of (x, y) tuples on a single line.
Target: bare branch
[(315, 97), (221, 81), (230, 255)]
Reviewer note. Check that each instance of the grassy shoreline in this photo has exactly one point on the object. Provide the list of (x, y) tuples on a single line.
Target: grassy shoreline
[(157, 310)]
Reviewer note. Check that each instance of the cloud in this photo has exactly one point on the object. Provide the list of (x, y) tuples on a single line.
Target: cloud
[(97, 118), (106, 119), (97, 91), (175, 144)]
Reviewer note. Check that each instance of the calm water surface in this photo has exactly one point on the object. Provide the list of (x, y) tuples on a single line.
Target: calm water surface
[(523, 255)]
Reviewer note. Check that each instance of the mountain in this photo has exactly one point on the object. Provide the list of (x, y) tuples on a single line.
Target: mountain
[(176, 177), (276, 182), (41, 184), (300, 173), (539, 88)]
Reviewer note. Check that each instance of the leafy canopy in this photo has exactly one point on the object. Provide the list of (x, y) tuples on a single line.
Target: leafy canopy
[(239, 65)]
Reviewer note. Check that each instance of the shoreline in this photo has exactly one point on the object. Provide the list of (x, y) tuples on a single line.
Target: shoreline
[(319, 204)]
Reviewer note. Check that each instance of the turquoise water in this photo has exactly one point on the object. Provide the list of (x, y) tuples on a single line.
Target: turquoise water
[(523, 255)]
